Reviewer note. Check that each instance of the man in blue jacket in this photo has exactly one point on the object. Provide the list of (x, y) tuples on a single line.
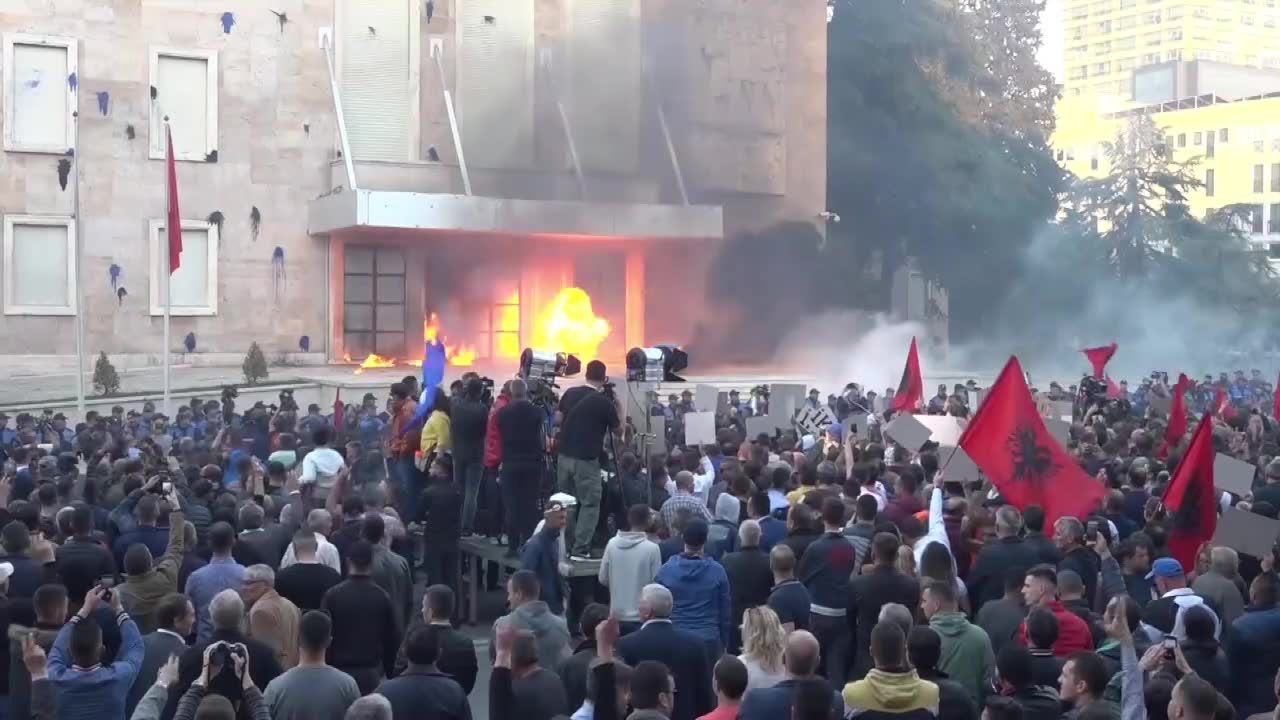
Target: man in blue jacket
[(541, 556), (83, 686), (700, 592), (1253, 648)]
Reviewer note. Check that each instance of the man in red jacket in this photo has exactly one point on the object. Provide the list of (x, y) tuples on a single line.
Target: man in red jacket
[(493, 458), (1040, 589)]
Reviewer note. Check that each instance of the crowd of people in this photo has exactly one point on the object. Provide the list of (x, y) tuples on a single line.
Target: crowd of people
[(276, 564)]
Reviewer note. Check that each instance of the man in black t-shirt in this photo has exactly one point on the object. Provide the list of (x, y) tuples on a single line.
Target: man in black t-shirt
[(520, 429), (585, 414)]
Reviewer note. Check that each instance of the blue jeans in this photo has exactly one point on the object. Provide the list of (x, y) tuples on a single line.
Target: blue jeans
[(409, 484), (467, 474)]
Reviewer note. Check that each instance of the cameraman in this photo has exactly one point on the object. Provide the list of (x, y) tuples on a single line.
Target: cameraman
[(520, 430), (469, 419), (585, 414)]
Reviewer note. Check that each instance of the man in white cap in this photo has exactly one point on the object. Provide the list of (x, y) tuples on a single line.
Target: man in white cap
[(544, 555)]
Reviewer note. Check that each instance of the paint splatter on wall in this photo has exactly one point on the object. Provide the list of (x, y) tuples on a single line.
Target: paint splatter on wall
[(115, 272), (255, 222), (121, 294), (64, 172), (130, 132), (104, 102), (73, 82), (304, 343), (216, 219), (189, 342), (282, 18), (228, 20), (278, 275)]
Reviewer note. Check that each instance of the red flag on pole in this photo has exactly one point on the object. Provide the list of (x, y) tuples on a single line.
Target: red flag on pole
[(1276, 410), (1008, 440), (337, 411), (1113, 390), (910, 393), (1177, 418), (173, 221), (1191, 497), (1099, 357)]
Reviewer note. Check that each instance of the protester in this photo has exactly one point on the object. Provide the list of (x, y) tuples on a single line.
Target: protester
[(803, 659), (146, 585), (966, 655), (1084, 678), (789, 598), (457, 652), (536, 690), (85, 688), (575, 669), (175, 620), (366, 633), (1001, 618), (1041, 590), (1218, 586), (306, 579), (892, 688), (50, 604), (763, 644), (1008, 552), (222, 573), (1017, 681), (530, 613), (825, 570), (660, 640), (630, 562), (422, 690), (1164, 615), (871, 591), (273, 620), (924, 650), (750, 578), (1253, 648), (729, 678), (312, 689), (1042, 636), (541, 555), (700, 591)]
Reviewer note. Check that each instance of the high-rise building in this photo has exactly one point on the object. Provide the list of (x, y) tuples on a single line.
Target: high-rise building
[(1106, 40)]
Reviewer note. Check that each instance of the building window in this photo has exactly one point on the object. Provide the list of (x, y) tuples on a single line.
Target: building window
[(1126, 23), (1093, 163), (39, 265), (1199, 139), (186, 91), (1208, 183), (1127, 3), (1210, 143), (1257, 178), (1275, 219), (1102, 68), (1174, 55), (1246, 19), (1275, 177), (1104, 26), (1176, 12), (39, 100), (1150, 58), (193, 287), (1126, 43), (1182, 140), (1255, 220), (1175, 34), (1080, 72), (1223, 135), (1152, 38), (1151, 18)]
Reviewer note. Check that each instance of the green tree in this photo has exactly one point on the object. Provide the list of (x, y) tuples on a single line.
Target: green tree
[(106, 381), (931, 152), (255, 365)]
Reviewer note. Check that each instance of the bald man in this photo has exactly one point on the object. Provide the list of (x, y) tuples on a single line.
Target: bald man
[(802, 659)]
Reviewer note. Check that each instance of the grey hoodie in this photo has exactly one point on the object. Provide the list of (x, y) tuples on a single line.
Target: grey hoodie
[(550, 632), (631, 561)]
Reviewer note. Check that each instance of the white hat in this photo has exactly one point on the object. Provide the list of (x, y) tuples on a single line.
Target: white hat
[(559, 502), (6, 569)]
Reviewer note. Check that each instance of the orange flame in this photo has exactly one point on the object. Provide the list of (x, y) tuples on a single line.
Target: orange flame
[(457, 355), (374, 360), (569, 324)]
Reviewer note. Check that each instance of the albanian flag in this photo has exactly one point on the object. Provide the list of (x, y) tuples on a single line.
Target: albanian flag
[(1190, 497), (1177, 418), (1099, 357), (910, 393), (1008, 440)]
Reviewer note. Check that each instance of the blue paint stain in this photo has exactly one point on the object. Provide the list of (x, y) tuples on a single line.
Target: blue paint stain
[(189, 342), (33, 83), (228, 19), (104, 101), (115, 272), (73, 82), (278, 276), (304, 343)]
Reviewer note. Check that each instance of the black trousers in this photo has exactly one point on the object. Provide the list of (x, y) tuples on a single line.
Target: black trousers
[(521, 483), (833, 641)]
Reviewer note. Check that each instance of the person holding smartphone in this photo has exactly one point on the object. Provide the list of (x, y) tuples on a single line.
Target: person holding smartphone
[(85, 688)]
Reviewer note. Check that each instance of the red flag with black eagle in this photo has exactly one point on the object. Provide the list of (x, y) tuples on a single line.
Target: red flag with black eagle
[(1099, 357), (910, 394), (1191, 498), (1177, 418), (1008, 440)]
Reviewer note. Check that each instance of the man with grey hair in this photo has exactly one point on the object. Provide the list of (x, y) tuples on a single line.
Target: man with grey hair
[(1068, 536), (370, 707), (986, 578), (898, 614), (1218, 586), (226, 613), (254, 545), (272, 619), (750, 578), (683, 653), (320, 523)]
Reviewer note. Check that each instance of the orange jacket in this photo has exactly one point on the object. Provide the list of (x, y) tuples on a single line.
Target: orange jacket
[(403, 444)]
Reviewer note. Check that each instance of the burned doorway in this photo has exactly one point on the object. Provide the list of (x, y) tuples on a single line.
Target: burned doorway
[(373, 311)]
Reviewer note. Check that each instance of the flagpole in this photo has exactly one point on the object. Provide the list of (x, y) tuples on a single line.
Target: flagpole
[(77, 253), (166, 268)]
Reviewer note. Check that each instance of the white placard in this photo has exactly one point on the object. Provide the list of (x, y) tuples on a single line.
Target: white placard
[(700, 428), (1246, 532), (814, 420), (944, 429), (758, 425), (959, 466), (907, 431), (705, 398), (1059, 429), (1233, 475)]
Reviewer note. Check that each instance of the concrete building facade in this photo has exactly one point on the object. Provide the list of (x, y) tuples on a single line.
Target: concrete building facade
[(497, 153)]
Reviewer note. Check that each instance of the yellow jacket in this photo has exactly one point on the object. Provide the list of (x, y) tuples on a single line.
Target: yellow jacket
[(435, 434)]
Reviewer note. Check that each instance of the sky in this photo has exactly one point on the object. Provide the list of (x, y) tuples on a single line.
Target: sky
[(1051, 51)]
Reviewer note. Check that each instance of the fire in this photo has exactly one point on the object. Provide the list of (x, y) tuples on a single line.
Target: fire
[(374, 360), (568, 324), (457, 355)]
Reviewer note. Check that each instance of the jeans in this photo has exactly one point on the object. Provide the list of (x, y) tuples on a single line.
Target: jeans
[(409, 485), (581, 479), (520, 483), (833, 641), (467, 474)]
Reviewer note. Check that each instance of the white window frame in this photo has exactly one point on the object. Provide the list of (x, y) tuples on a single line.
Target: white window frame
[(11, 306), (11, 143), (156, 142), (154, 228)]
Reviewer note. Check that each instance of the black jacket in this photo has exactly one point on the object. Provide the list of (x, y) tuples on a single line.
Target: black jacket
[(425, 695), (263, 668), (573, 672), (27, 577), (867, 594), (826, 568), (954, 702), (81, 562), (520, 429), (799, 541), (1038, 703), (457, 654), (1086, 563), (1047, 552), (468, 420), (256, 547), (684, 654), (1209, 662), (1081, 610), (986, 577), (365, 632), (1046, 668), (750, 579)]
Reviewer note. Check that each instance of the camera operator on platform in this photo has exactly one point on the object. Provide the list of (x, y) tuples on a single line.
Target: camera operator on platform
[(585, 414)]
